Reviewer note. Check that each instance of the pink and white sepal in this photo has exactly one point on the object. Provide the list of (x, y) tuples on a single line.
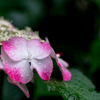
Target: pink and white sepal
[(62, 64), (63, 67), (21, 56), (23, 87)]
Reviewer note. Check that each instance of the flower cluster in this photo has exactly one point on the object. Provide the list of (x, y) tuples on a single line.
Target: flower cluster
[(22, 51), (7, 30)]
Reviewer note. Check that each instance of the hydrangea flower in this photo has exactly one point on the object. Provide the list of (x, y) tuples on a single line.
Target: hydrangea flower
[(63, 67), (20, 85), (62, 64), (22, 51), (21, 56), (7, 31)]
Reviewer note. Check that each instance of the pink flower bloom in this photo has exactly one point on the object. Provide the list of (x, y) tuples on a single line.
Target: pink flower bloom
[(20, 85), (21, 56), (62, 65)]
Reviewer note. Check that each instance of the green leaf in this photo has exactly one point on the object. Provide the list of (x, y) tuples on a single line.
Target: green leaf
[(97, 2), (95, 56), (40, 89), (78, 88)]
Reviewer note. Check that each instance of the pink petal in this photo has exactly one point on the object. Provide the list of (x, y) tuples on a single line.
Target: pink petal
[(19, 71), (15, 69), (16, 48), (53, 55), (44, 67), (37, 49), (62, 63), (47, 40), (1, 65), (20, 85), (4, 56), (66, 74)]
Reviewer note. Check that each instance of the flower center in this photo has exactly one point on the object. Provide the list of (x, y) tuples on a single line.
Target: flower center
[(29, 56), (30, 63)]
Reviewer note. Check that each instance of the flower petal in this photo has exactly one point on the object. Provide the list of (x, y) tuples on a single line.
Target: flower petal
[(37, 49), (19, 71), (54, 56), (20, 85), (16, 48), (4, 56), (44, 67), (62, 63), (66, 74)]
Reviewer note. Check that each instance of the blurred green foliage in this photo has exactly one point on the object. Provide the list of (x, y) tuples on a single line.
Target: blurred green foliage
[(79, 88), (72, 27), (95, 56)]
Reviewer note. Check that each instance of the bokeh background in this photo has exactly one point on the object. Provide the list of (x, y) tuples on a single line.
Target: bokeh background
[(72, 27)]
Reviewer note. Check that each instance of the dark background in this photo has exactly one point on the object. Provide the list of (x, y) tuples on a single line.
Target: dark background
[(72, 27), (73, 23)]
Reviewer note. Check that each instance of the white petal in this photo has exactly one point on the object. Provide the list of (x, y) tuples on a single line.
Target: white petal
[(4, 56), (62, 63), (19, 71), (37, 49), (53, 54), (16, 48), (44, 67)]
